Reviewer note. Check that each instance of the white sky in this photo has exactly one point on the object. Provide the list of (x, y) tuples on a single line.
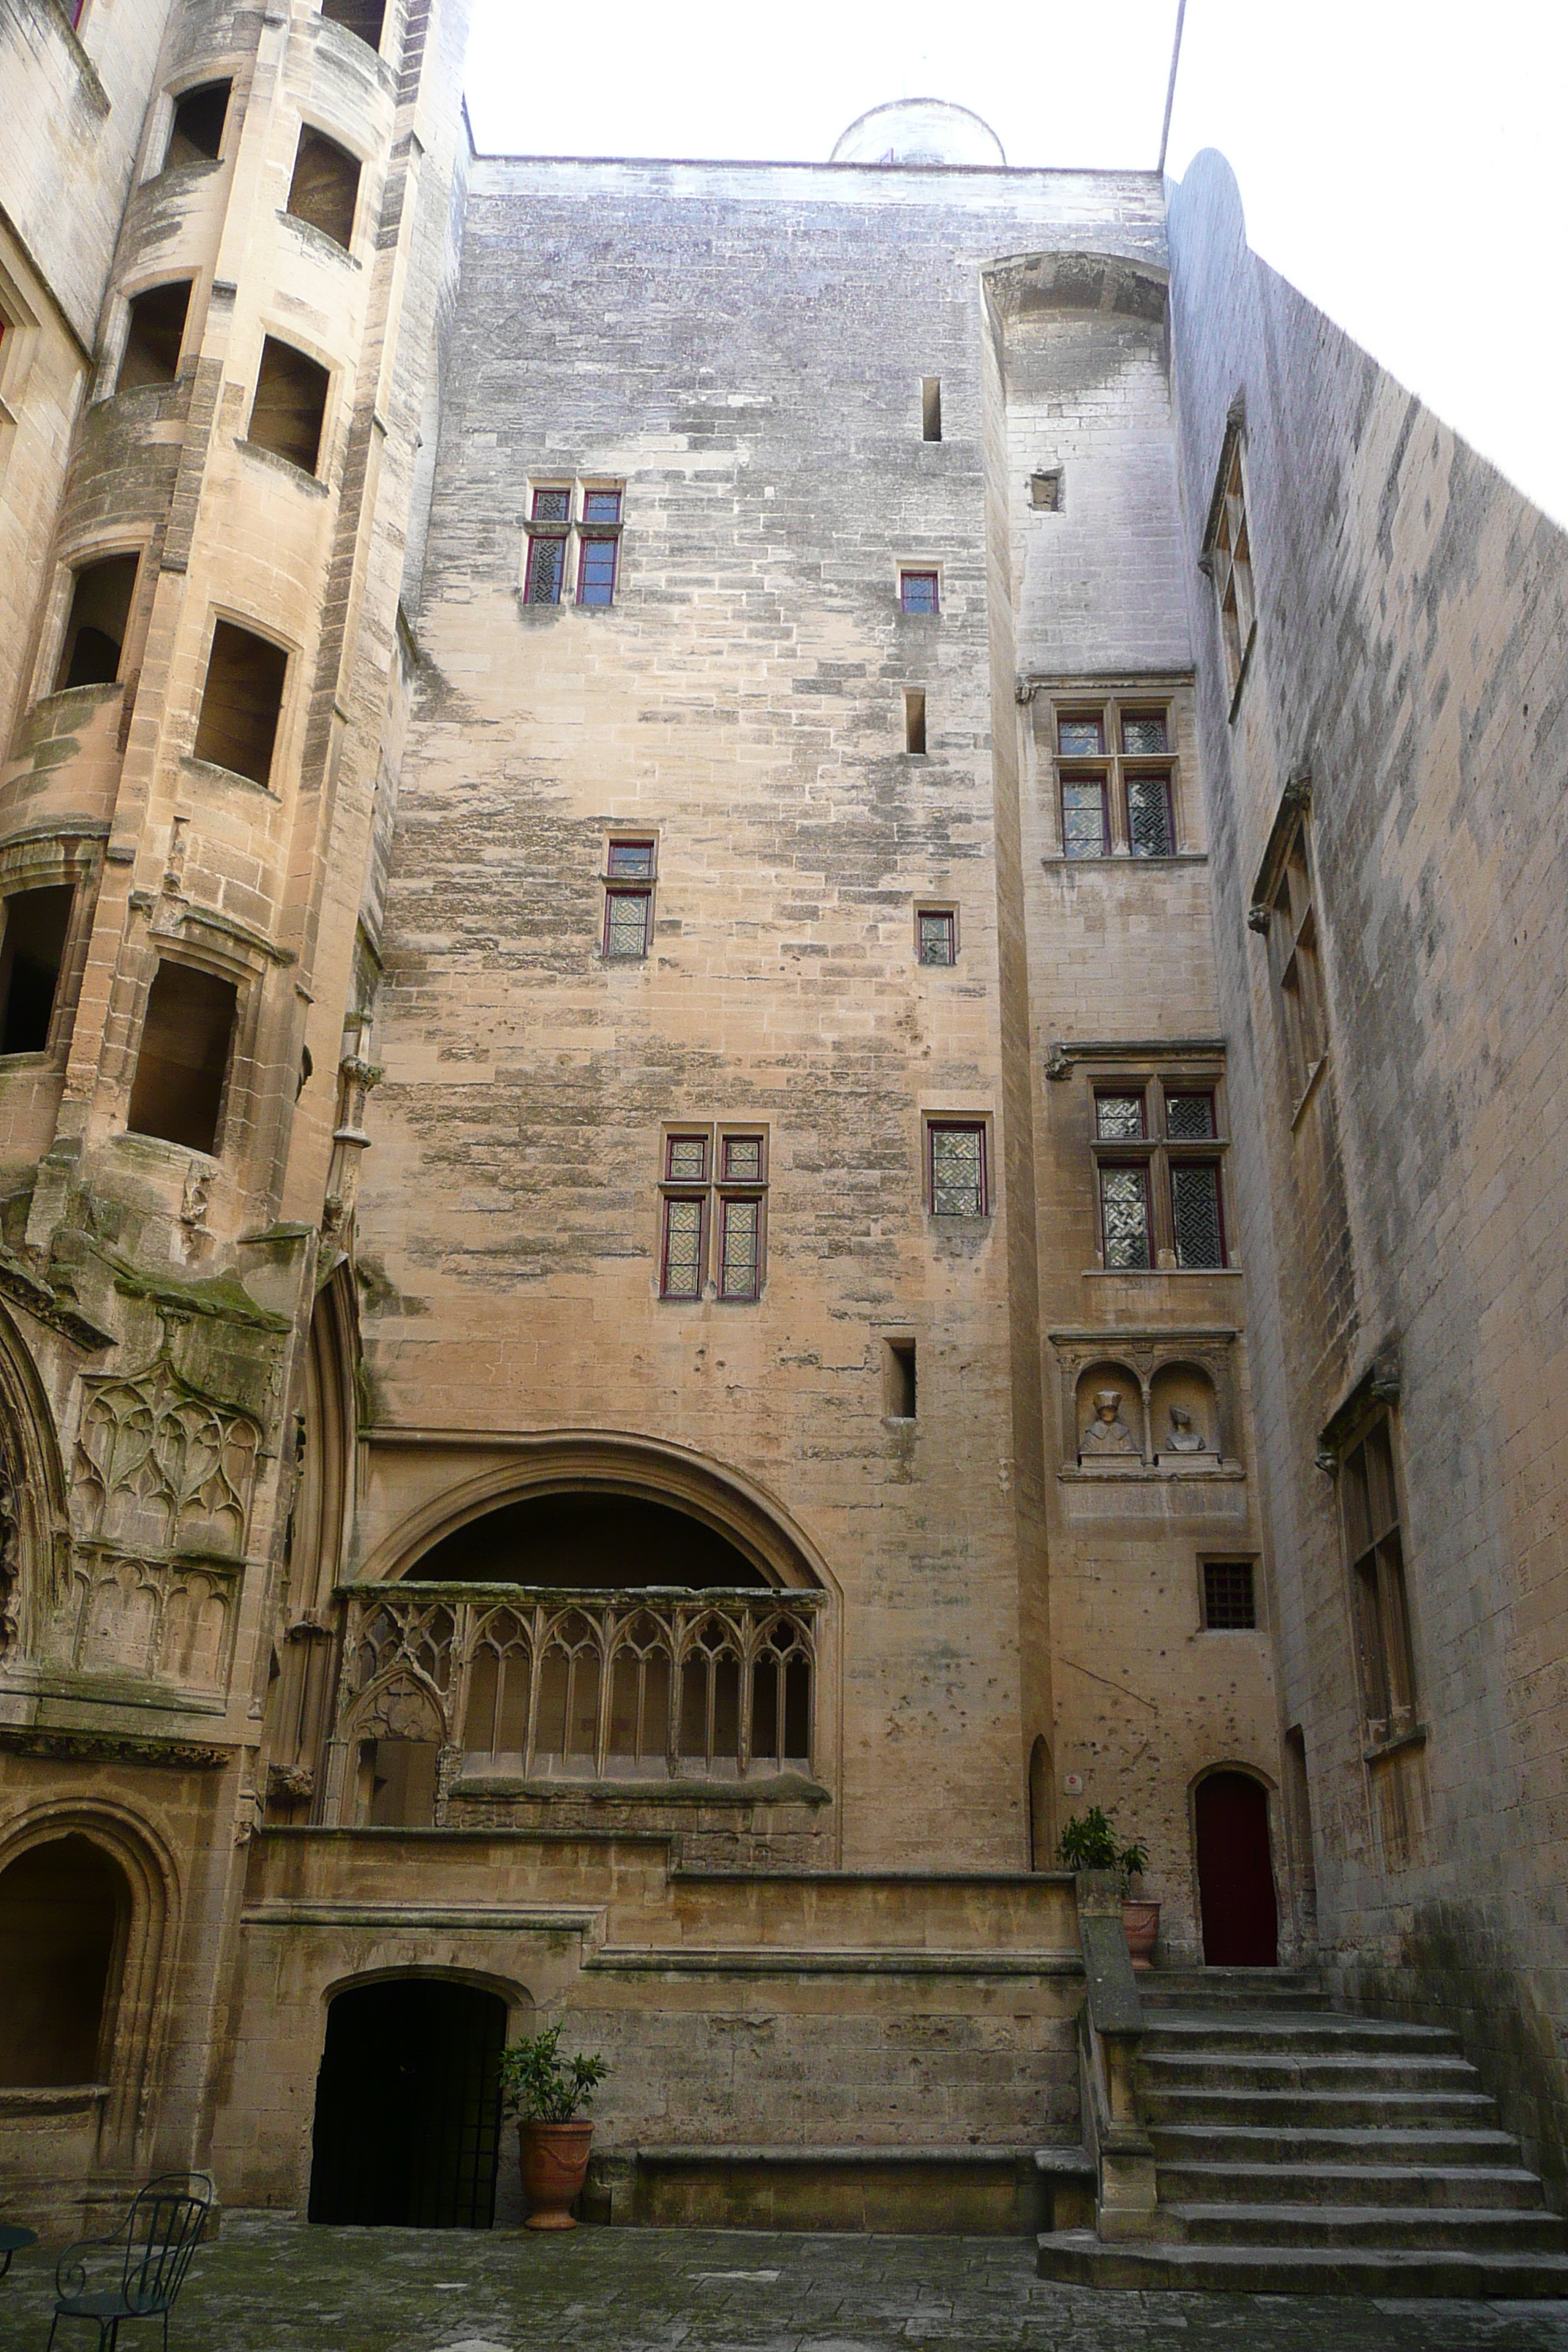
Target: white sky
[(1398, 159)]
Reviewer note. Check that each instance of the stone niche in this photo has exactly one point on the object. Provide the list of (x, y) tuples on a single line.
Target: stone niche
[(1147, 1404)]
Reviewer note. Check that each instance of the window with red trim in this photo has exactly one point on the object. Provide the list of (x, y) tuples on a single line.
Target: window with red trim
[(918, 591), (629, 899), (956, 1168), (600, 531), (719, 1192)]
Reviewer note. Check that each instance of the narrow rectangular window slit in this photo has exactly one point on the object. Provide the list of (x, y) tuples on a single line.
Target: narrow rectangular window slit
[(931, 407), (157, 331), (186, 1039), (289, 404), (241, 702), (31, 955), (95, 632), (195, 135), (324, 190), (899, 1380), (914, 718)]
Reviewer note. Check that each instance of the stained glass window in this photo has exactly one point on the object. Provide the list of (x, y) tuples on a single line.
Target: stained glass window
[(1145, 731), (1083, 817), (1150, 833), (682, 1249), (742, 1159), (1081, 738), (1195, 1214), (552, 506), (917, 592), (625, 922), (546, 569), (741, 1222), (958, 1172), (936, 938), (1189, 1117), (1124, 1216), (1118, 1117), (686, 1160)]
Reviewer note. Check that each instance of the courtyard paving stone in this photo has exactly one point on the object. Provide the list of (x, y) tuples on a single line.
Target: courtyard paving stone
[(273, 2284)]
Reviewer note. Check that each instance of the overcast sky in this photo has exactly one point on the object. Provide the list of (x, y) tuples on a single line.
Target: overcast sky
[(1400, 159)]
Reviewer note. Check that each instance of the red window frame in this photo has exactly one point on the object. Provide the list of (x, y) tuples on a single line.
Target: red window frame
[(1122, 1094), (596, 552), (975, 1127), (1139, 1168), (1078, 783), (643, 893), (1213, 1166), (1152, 776), (907, 577), (947, 921), (1095, 718), (672, 1200)]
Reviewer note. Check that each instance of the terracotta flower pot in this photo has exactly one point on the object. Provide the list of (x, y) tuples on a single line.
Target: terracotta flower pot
[(554, 2167), (1142, 1923)]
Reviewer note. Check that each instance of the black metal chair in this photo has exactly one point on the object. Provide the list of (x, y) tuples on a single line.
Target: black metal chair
[(154, 2249)]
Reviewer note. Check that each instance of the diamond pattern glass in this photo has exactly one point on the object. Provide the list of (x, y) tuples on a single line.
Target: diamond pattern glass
[(552, 506), (682, 1249), (936, 939), (687, 1162), (546, 567), (625, 923), (1194, 1213), (1150, 833), (1146, 733), (957, 1172), (917, 592), (632, 860), (738, 1267), (1118, 1116), (743, 1158), (1124, 1216), (1083, 818), (1080, 739), (1189, 1117)]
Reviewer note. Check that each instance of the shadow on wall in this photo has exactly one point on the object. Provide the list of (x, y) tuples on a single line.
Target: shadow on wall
[(589, 1542)]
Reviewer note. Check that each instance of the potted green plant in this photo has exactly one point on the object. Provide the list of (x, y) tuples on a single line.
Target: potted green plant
[(546, 2092), (1090, 1842)]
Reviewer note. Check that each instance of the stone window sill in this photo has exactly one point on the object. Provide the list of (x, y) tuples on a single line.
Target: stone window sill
[(1376, 1750)]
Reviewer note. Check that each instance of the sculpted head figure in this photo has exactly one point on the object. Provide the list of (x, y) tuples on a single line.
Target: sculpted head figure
[(1106, 1433), (1185, 1436)]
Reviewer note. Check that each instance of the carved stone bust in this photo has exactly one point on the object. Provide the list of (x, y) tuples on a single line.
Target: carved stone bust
[(1106, 1433), (1184, 1437)]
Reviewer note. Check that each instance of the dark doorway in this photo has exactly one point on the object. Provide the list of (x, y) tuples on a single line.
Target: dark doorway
[(408, 2107), (62, 1907), (1236, 1875), (588, 1542)]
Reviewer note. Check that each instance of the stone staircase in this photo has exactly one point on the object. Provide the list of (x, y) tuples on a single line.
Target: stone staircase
[(1300, 2150)]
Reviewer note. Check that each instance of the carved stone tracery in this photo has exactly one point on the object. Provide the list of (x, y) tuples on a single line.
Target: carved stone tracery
[(160, 1464)]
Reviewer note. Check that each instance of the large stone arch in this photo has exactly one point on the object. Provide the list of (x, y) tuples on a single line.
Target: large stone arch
[(35, 1525)]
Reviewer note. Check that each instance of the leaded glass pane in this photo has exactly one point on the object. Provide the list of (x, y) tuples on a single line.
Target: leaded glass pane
[(632, 860), (1146, 732), (1149, 829), (552, 506), (601, 506), (936, 939), (1189, 1117), (546, 563), (625, 923), (917, 591), (682, 1249), (1080, 739), (738, 1273), (688, 1159), (957, 1172), (1124, 1214), (1194, 1213), (1118, 1116), (1083, 819), (743, 1158)]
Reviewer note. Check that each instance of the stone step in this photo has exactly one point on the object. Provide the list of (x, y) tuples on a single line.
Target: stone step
[(1327, 2070), (1487, 2227), (1224, 1989), (1287, 2033), (1215, 2144), (1474, 2186), (1296, 2109), (1077, 2257)]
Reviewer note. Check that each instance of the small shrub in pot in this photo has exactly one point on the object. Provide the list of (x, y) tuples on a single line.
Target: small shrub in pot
[(547, 2092)]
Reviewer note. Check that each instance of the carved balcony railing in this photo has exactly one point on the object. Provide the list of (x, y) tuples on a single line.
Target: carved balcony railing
[(548, 1685)]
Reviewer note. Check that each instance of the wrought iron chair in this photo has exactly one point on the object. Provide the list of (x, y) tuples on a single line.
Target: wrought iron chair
[(160, 2235)]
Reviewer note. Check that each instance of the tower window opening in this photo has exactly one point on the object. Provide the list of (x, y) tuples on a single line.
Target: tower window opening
[(914, 718), (177, 1092), (364, 18), (157, 331), (289, 406), (95, 633), (196, 133), (899, 1380), (1046, 490), (931, 407), (31, 954), (240, 702), (324, 189), (919, 591)]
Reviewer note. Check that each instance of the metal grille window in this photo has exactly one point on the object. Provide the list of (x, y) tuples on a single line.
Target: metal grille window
[(600, 531), (550, 520), (918, 591), (1369, 1504), (1230, 1605), (723, 1194), (629, 899), (1117, 782), (936, 933), (1160, 1190), (957, 1169), (1227, 557)]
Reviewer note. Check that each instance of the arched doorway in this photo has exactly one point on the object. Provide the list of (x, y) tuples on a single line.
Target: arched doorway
[(1235, 1872), (408, 2127), (64, 1906)]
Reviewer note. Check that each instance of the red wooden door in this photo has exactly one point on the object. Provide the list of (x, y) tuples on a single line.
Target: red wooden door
[(1236, 1875)]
